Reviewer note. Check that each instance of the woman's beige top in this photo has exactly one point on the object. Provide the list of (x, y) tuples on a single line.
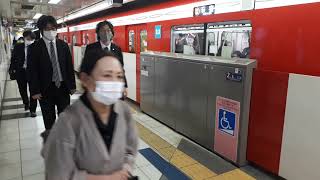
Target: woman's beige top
[(75, 146)]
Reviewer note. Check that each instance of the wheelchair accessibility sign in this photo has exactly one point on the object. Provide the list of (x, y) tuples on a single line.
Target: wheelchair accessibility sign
[(227, 121), (226, 131)]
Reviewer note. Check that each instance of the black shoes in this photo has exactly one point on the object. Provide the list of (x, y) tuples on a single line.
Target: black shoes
[(33, 114)]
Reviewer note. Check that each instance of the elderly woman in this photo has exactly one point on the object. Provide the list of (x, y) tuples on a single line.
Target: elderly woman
[(95, 138)]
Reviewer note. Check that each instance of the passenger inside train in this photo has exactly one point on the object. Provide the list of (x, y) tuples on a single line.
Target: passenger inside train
[(159, 90)]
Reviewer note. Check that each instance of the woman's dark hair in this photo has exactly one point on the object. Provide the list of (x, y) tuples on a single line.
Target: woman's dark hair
[(104, 23), (44, 20), (91, 58), (30, 34)]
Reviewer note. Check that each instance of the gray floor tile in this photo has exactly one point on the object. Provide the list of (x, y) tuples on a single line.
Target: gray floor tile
[(9, 158), (31, 143), (10, 172), (31, 154), (10, 103), (259, 174), (32, 167), (9, 146), (18, 115), (12, 99), (12, 123), (151, 172), (9, 130), (34, 177), (9, 137), (29, 123), (28, 134), (18, 106), (206, 158)]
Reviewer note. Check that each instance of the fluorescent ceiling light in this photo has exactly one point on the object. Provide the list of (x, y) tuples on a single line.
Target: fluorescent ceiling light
[(37, 16), (86, 11), (54, 1)]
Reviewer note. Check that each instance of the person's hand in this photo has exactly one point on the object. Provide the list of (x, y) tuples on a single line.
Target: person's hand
[(37, 96), (120, 175), (125, 92), (73, 91)]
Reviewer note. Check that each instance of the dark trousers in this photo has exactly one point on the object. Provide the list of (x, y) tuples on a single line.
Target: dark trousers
[(52, 98), (23, 85)]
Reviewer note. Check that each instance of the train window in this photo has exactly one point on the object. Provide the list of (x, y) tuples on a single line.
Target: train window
[(131, 41), (188, 39), (143, 41), (85, 39), (74, 39), (229, 39)]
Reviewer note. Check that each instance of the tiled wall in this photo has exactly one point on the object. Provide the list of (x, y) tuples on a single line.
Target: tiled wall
[(4, 61)]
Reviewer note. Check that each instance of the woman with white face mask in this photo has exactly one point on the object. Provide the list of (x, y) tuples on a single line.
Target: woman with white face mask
[(95, 138)]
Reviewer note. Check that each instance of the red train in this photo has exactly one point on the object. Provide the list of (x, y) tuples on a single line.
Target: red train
[(282, 40)]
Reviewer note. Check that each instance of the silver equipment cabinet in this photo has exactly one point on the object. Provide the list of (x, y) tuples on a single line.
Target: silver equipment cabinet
[(204, 98)]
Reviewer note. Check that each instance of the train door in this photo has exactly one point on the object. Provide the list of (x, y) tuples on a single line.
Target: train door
[(137, 43)]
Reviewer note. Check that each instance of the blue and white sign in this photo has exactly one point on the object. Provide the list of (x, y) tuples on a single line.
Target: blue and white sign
[(157, 32), (227, 121)]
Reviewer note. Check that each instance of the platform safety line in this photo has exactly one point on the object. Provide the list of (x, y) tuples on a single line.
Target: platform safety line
[(175, 157)]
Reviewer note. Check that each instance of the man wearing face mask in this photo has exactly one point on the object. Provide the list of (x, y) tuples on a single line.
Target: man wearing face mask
[(105, 34), (52, 72), (19, 63)]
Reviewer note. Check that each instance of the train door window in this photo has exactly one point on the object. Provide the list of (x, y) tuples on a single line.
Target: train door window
[(229, 39), (131, 41), (143, 41), (188, 39), (74, 39), (83, 38), (86, 38)]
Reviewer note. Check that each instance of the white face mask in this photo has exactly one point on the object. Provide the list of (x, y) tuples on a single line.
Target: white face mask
[(50, 35), (27, 42), (108, 92)]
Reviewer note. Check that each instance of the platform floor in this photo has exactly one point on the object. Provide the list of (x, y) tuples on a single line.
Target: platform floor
[(163, 153)]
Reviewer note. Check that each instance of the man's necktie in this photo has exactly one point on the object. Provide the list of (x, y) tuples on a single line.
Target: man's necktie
[(55, 73)]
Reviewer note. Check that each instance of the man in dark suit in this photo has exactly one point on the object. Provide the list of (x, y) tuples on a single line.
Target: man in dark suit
[(105, 34), (19, 64), (52, 73)]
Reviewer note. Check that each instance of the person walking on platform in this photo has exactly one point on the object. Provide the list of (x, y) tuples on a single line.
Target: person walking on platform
[(94, 138), (19, 65), (105, 34), (52, 78)]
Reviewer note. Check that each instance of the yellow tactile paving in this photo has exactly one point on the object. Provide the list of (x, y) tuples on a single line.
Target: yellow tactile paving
[(182, 160), (167, 152), (198, 171), (185, 163), (236, 174), (159, 143)]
